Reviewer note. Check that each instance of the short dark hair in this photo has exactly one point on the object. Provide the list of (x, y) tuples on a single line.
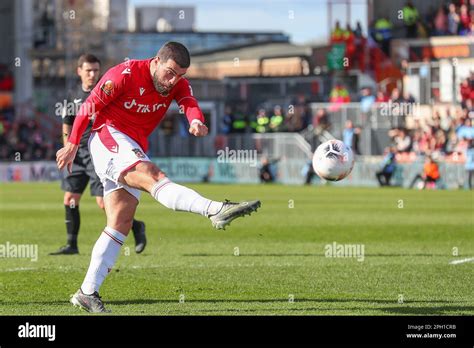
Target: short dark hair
[(87, 58), (175, 51)]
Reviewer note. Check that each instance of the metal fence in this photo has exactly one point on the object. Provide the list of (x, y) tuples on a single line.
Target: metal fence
[(274, 145)]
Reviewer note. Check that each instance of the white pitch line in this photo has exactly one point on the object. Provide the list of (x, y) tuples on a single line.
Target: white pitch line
[(456, 262), (18, 269)]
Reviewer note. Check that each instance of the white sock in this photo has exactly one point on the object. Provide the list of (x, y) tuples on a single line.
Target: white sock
[(104, 255), (178, 197)]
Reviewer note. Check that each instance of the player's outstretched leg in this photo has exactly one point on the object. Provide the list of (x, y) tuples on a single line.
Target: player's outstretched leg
[(120, 208), (147, 176)]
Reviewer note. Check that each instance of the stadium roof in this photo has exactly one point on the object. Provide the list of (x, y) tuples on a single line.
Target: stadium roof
[(256, 51)]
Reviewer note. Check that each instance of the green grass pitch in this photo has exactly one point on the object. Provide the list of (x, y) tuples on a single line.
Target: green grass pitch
[(271, 263)]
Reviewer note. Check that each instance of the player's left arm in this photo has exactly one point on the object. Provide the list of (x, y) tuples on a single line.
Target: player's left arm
[(110, 86), (189, 105)]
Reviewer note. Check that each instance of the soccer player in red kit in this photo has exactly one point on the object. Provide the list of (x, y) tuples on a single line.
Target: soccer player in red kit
[(128, 103)]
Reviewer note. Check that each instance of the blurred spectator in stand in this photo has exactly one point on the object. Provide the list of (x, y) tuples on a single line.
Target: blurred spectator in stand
[(350, 136), (440, 25), (447, 121), (404, 66), (24, 140), (227, 119), (440, 142), (349, 40), (360, 43), (427, 143), (367, 99), (466, 131), (294, 119), (469, 109), (401, 139), (410, 19), (358, 30), (416, 142), (430, 174), (388, 167), (357, 133), (321, 121), (436, 123), (408, 98), (6, 81), (303, 110), (276, 121), (453, 19), (381, 97), (469, 165), (263, 122), (451, 143), (339, 95), (395, 96), (337, 34), (465, 20), (239, 122), (383, 34), (465, 91)]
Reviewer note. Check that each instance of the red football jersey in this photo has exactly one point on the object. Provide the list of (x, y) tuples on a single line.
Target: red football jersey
[(126, 99)]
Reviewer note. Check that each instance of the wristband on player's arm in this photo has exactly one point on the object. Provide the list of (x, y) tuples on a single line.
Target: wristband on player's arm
[(196, 121)]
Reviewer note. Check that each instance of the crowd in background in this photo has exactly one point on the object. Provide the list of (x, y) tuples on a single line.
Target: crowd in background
[(293, 117), (451, 18), (16, 138), (20, 140), (24, 141), (450, 134)]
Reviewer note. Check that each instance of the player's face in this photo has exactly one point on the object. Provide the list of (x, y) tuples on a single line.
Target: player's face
[(89, 74), (166, 75)]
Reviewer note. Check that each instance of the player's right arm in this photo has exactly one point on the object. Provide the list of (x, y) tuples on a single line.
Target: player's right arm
[(107, 89)]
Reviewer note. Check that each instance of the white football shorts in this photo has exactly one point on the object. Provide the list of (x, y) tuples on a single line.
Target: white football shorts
[(113, 153)]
